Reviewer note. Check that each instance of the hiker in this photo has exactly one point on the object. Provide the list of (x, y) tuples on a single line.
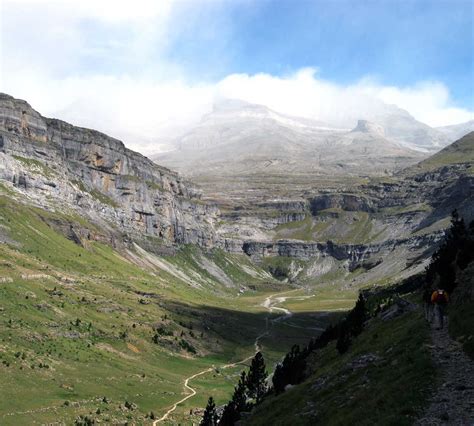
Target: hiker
[(440, 299)]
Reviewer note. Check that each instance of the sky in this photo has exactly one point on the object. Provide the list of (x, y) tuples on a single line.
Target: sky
[(145, 70)]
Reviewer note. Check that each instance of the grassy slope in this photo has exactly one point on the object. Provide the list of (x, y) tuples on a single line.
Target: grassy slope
[(387, 391), (461, 151), (332, 224), (74, 328), (339, 226)]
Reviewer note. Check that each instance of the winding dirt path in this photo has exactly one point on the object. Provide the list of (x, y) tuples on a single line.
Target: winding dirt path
[(287, 314), (268, 304), (452, 402)]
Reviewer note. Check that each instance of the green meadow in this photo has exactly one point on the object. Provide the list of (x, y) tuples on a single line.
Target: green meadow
[(109, 334)]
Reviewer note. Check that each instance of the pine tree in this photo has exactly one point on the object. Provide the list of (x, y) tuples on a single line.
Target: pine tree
[(291, 370), (466, 250), (357, 316), (278, 379), (456, 251), (256, 378), (240, 394), (237, 404), (210, 417), (344, 339), (230, 415)]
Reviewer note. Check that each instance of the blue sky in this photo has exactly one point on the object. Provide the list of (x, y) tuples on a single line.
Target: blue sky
[(92, 62), (399, 42)]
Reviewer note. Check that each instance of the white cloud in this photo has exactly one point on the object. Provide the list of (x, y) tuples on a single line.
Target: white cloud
[(303, 93), (104, 10), (136, 110), (143, 111), (101, 64), (428, 102)]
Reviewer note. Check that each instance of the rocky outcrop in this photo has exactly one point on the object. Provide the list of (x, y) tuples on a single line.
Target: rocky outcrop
[(440, 190), (58, 164), (365, 126), (17, 117), (269, 214), (128, 198), (348, 202), (407, 212), (356, 254)]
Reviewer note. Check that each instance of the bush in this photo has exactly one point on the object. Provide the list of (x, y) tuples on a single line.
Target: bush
[(187, 346)]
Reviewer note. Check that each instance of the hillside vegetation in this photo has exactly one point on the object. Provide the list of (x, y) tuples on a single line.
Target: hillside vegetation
[(126, 296), (363, 385), (381, 362), (87, 330), (459, 152)]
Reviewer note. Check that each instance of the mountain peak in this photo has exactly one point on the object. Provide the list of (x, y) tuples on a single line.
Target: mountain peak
[(237, 109), (228, 105), (365, 126)]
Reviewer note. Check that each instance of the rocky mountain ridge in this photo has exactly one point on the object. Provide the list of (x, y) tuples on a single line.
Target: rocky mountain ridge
[(384, 226), (56, 164), (60, 167), (241, 139)]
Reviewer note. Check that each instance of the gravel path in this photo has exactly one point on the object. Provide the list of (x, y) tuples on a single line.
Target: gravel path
[(269, 305), (453, 401)]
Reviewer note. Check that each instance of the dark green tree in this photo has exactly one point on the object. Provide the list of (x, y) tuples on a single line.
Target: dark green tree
[(344, 339), (291, 370), (210, 417), (237, 404), (456, 251), (240, 394), (279, 380), (357, 316), (230, 415), (256, 378)]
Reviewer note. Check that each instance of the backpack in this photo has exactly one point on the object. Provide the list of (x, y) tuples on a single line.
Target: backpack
[(440, 297)]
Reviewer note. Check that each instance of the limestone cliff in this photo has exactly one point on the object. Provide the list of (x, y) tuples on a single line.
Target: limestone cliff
[(56, 165), (61, 166)]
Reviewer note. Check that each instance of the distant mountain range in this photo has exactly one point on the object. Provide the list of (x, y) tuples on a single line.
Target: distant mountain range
[(241, 138), (457, 131)]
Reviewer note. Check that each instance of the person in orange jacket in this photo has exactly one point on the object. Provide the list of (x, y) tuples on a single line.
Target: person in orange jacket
[(440, 299)]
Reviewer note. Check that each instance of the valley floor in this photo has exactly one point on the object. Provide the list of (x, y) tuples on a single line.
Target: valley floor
[(216, 379), (269, 304), (86, 330)]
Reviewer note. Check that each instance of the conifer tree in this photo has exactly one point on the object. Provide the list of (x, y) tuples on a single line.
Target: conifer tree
[(291, 370), (240, 394), (230, 415), (357, 316), (279, 377), (456, 251), (256, 378), (237, 404), (210, 417), (344, 339)]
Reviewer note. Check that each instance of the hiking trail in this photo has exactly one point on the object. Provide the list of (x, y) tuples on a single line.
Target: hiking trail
[(452, 402), (268, 304)]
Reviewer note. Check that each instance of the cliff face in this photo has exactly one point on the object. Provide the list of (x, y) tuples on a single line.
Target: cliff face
[(384, 226), (65, 167), (56, 165)]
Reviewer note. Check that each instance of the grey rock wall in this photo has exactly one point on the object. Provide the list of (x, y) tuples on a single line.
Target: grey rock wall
[(57, 164)]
